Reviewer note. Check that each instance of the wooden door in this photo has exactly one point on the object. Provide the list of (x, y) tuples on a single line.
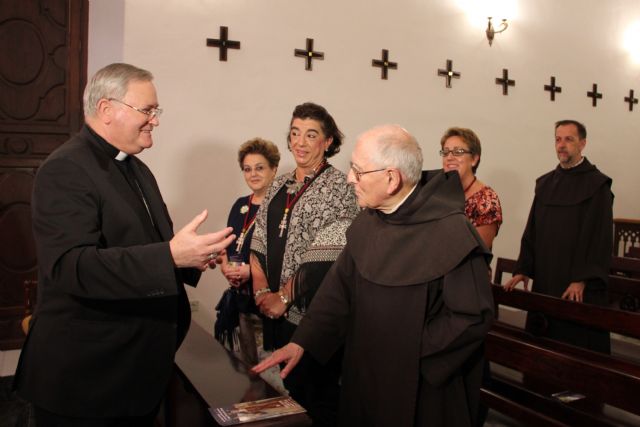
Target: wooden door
[(42, 75)]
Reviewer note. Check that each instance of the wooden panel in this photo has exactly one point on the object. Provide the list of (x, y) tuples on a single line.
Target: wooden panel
[(42, 75), (626, 234)]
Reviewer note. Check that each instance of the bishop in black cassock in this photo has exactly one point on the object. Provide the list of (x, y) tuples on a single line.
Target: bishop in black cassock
[(112, 308)]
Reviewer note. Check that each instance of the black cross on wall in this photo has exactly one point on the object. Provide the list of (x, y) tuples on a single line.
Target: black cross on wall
[(223, 43), (309, 54), (384, 64), (449, 73), (631, 100), (552, 88), (594, 95), (505, 82)]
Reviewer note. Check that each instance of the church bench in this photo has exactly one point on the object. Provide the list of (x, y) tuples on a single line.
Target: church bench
[(550, 366), (624, 281), (624, 293), (620, 266), (618, 321), (625, 266), (503, 265), (626, 235)]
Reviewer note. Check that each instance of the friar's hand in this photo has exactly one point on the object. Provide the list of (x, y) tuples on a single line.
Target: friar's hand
[(189, 249), (511, 284), (290, 353), (574, 292)]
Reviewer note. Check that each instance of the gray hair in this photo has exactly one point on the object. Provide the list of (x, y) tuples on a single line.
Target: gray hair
[(111, 81), (397, 148)]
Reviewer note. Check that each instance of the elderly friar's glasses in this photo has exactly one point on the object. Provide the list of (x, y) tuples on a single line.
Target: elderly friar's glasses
[(359, 174), (150, 112)]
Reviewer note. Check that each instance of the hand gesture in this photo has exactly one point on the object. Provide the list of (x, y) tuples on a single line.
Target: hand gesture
[(189, 249), (236, 276), (290, 353), (574, 292), (511, 284)]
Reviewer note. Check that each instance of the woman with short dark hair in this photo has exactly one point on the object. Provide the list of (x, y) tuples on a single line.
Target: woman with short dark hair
[(461, 151), (300, 231), (258, 159)]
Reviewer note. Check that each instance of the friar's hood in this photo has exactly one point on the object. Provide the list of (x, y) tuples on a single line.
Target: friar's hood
[(423, 240), (570, 187)]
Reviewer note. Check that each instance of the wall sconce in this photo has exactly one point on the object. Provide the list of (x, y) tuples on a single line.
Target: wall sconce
[(491, 31), (631, 41)]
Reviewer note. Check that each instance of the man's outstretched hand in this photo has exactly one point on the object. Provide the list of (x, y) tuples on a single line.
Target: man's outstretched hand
[(290, 353), (190, 249)]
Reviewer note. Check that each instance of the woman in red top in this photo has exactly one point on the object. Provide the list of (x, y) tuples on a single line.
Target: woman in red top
[(461, 151)]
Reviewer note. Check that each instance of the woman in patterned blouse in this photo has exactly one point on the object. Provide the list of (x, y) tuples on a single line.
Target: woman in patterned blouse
[(299, 233), (461, 151)]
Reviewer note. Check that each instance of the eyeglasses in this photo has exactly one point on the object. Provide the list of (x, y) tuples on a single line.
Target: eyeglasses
[(457, 152), (151, 112), (359, 174), (257, 169)]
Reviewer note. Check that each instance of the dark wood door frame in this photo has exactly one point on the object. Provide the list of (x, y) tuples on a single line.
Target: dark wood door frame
[(42, 76)]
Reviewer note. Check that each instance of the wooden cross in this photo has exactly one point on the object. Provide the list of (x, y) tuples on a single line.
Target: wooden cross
[(505, 82), (384, 64), (594, 95), (449, 73), (309, 54), (631, 100), (223, 43), (552, 88)]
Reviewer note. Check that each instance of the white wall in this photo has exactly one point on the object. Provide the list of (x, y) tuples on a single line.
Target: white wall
[(211, 107)]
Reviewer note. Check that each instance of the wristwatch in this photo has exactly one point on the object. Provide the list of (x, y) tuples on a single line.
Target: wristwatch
[(259, 292), (283, 298)]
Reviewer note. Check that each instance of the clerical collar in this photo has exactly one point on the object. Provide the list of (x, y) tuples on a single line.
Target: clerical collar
[(113, 152), (395, 208), (576, 165), (121, 156)]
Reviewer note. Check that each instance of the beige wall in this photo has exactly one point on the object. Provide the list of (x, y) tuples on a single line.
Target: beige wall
[(211, 106)]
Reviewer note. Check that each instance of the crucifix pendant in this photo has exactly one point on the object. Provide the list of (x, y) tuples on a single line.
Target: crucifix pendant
[(240, 241), (283, 222)]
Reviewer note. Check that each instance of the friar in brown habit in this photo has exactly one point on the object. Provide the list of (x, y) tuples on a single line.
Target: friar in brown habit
[(566, 245), (408, 297)]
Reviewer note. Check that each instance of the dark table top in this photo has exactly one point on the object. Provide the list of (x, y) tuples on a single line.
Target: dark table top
[(221, 379)]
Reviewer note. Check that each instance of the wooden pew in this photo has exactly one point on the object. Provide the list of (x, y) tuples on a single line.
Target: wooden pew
[(503, 265), (620, 266), (625, 266), (624, 281), (626, 234), (557, 367)]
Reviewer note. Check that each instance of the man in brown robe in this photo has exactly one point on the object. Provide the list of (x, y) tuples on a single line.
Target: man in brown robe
[(566, 245), (408, 297)]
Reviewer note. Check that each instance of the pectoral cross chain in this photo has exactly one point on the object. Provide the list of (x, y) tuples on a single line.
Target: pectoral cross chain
[(283, 222), (240, 241)]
